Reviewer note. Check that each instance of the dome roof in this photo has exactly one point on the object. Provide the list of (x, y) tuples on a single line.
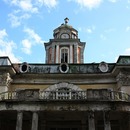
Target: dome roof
[(65, 28)]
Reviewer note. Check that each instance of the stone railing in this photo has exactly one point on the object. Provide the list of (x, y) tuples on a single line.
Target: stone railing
[(90, 94), (63, 95), (8, 95)]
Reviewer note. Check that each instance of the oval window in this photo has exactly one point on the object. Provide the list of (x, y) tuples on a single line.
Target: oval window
[(64, 67)]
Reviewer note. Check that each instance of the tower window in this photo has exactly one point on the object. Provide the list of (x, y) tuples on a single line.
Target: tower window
[(64, 55)]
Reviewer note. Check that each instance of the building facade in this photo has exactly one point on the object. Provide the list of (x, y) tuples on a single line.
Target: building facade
[(65, 93)]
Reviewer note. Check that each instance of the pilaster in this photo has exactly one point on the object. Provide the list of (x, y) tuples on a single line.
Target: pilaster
[(75, 53), (82, 58), (35, 121), (57, 53), (19, 120), (53, 54), (107, 124), (71, 54), (91, 120), (47, 53)]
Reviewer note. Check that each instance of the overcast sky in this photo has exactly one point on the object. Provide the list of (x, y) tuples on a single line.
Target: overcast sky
[(26, 24)]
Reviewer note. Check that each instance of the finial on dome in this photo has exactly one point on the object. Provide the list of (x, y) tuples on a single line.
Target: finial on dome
[(66, 20)]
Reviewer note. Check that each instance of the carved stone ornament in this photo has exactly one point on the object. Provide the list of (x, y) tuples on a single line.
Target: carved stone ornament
[(123, 78), (5, 79)]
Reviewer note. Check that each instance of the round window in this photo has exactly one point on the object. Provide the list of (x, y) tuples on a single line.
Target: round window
[(24, 67), (64, 68), (103, 67)]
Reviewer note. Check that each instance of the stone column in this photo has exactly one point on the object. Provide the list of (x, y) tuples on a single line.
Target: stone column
[(91, 121), (75, 53), (19, 120), (107, 124), (82, 58), (71, 54), (47, 50), (53, 54), (57, 53), (35, 121)]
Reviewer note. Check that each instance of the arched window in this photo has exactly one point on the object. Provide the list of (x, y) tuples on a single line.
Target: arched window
[(64, 55)]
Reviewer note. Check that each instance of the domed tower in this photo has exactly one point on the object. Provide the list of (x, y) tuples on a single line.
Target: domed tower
[(65, 47)]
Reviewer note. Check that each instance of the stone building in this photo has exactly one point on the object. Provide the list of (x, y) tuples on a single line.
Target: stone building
[(65, 93)]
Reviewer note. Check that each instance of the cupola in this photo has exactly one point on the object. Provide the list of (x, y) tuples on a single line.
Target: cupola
[(66, 47)]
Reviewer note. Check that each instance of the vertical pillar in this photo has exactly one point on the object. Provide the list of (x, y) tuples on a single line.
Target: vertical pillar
[(75, 53), (47, 53), (35, 121), (53, 54), (57, 54), (91, 121), (71, 56), (82, 58), (19, 120), (107, 124)]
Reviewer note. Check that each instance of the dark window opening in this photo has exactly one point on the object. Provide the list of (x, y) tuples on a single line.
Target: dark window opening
[(64, 56), (24, 67), (64, 67)]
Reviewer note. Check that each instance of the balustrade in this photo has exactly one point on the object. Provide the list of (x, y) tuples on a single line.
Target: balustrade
[(68, 95)]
